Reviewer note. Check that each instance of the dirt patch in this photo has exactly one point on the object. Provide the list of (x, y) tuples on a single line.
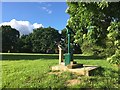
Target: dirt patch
[(72, 82)]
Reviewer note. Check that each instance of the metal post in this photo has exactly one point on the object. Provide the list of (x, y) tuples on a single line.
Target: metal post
[(68, 55), (68, 43)]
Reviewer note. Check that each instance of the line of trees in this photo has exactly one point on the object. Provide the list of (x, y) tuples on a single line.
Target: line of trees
[(42, 40)]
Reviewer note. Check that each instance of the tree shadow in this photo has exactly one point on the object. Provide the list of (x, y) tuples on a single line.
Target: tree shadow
[(89, 57), (104, 72), (42, 56), (97, 72), (28, 57)]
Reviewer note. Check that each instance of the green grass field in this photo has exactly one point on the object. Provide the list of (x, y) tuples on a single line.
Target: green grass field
[(33, 71)]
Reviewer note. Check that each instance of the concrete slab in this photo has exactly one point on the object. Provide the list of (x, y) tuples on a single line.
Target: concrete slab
[(85, 70)]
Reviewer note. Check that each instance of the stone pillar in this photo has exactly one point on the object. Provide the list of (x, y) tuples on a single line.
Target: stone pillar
[(60, 54)]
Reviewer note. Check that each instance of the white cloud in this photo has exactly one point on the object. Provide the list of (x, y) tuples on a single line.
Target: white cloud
[(47, 10), (46, 7), (24, 27), (36, 25), (47, 4)]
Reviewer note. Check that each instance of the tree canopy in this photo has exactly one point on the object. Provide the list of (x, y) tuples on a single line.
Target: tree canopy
[(42, 40), (97, 27), (45, 40), (90, 21), (9, 38)]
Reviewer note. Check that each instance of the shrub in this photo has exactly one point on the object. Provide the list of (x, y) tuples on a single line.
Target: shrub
[(115, 59)]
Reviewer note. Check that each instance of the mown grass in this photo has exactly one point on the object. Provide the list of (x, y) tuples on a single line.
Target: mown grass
[(32, 71)]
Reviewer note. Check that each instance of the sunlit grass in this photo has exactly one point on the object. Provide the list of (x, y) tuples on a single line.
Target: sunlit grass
[(23, 72)]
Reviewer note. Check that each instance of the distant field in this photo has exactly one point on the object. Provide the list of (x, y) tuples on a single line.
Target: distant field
[(33, 71)]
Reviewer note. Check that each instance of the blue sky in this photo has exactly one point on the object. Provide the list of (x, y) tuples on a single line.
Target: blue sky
[(45, 13)]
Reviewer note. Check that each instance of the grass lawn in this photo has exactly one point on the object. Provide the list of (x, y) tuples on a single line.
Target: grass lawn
[(33, 71)]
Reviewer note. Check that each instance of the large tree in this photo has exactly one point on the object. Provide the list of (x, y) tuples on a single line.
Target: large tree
[(9, 38), (44, 40), (90, 22), (25, 44)]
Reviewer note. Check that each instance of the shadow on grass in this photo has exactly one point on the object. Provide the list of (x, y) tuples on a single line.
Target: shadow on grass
[(97, 72), (43, 56), (88, 57), (104, 72), (28, 57)]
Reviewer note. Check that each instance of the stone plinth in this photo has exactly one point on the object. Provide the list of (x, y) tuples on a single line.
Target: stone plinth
[(85, 70)]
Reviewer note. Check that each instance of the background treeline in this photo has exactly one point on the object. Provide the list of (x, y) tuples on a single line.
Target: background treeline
[(42, 40)]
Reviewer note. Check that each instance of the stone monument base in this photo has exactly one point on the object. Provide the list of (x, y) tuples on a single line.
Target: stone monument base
[(79, 69)]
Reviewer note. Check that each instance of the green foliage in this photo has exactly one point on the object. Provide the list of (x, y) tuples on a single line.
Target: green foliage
[(44, 40), (114, 31), (10, 37), (25, 43), (92, 49), (115, 59), (114, 38), (90, 22), (103, 4)]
